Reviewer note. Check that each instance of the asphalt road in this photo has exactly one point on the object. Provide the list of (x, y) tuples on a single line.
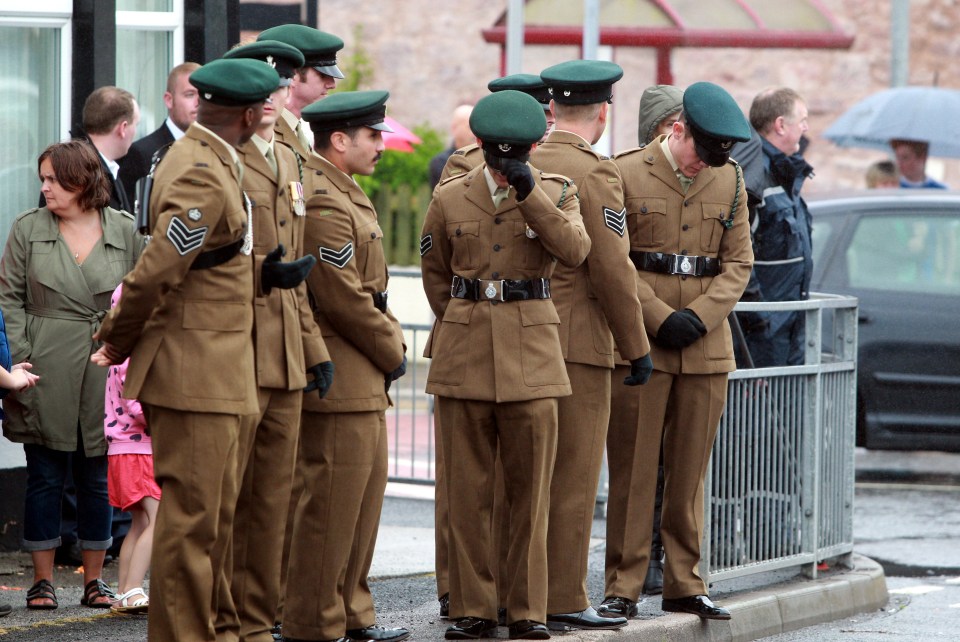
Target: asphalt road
[(907, 516)]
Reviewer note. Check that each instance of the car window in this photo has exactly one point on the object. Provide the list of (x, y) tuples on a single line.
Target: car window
[(906, 253), (823, 230)]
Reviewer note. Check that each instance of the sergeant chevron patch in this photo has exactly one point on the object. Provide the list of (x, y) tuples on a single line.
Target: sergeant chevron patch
[(337, 258), (616, 221), (183, 238), (426, 243)]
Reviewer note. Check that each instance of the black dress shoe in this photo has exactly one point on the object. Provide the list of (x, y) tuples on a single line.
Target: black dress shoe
[(445, 606), (276, 633), (471, 628), (653, 584), (617, 606), (502, 616), (698, 605), (585, 619), (299, 640), (378, 634), (528, 630)]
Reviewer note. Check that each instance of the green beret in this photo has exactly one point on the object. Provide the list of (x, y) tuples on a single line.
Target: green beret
[(527, 83), (508, 122), (346, 109), (319, 48), (582, 82), (286, 59), (715, 120), (235, 83)]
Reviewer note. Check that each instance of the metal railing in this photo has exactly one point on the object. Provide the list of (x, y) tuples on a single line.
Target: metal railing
[(779, 490)]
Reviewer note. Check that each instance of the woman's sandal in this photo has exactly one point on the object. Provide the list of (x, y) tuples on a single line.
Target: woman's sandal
[(133, 601), (97, 595), (42, 590)]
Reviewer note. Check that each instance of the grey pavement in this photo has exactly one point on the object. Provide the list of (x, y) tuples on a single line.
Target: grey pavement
[(404, 589)]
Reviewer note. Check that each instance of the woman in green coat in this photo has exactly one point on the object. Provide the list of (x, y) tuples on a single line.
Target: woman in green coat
[(59, 268)]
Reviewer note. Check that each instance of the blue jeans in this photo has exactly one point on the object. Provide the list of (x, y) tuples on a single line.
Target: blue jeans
[(46, 476)]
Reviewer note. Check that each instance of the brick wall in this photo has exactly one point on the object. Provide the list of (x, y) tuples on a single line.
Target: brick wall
[(431, 56)]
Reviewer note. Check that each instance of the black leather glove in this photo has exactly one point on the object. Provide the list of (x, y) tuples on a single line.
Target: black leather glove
[(275, 274), (679, 330), (396, 374), (322, 378), (640, 371), (519, 176)]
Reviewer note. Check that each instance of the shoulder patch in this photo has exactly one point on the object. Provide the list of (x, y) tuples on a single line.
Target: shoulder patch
[(200, 165), (616, 221), (426, 243), (337, 258), (184, 239), (459, 152)]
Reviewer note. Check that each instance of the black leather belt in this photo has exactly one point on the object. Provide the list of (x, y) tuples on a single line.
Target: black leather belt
[(380, 301), (218, 256), (502, 290), (684, 264)]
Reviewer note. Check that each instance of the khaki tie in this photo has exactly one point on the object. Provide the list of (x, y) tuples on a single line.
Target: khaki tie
[(272, 160), (499, 195), (685, 181)]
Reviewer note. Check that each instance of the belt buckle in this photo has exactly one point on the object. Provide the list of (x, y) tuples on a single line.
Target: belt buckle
[(492, 290), (682, 264)]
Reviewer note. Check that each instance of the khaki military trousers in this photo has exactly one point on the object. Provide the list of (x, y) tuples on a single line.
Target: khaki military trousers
[(441, 523), (683, 410), (343, 461), (195, 461), (267, 460), (526, 433), (581, 438)]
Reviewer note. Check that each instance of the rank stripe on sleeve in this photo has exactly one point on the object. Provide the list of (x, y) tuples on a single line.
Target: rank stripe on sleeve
[(616, 221), (426, 244), (183, 238), (337, 258)]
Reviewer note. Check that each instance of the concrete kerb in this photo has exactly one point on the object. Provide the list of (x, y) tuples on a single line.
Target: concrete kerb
[(755, 614)]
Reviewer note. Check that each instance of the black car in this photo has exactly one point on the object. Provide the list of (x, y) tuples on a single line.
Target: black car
[(898, 251)]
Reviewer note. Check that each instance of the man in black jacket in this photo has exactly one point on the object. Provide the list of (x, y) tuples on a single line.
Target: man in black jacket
[(181, 99)]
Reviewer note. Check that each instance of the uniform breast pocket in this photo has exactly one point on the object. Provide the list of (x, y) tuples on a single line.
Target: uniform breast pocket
[(263, 221), (647, 220), (370, 259), (465, 244), (528, 253), (711, 229)]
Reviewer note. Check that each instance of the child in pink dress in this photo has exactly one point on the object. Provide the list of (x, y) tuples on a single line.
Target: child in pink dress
[(130, 484)]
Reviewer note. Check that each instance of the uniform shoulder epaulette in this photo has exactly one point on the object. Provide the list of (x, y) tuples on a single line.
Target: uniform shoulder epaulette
[(629, 152), (30, 211), (564, 182), (459, 152)]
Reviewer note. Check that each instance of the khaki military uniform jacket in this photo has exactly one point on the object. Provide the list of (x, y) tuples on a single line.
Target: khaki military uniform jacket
[(660, 218), (365, 344), (462, 161), (287, 337), (599, 295), (507, 351), (286, 134), (189, 332)]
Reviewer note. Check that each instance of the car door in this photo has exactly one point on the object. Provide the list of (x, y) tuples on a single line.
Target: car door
[(903, 263)]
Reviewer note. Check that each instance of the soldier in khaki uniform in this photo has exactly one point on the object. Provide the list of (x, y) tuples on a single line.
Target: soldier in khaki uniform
[(489, 244), (343, 453), (186, 321), (593, 299), (466, 159), (288, 344), (690, 240), (312, 81)]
